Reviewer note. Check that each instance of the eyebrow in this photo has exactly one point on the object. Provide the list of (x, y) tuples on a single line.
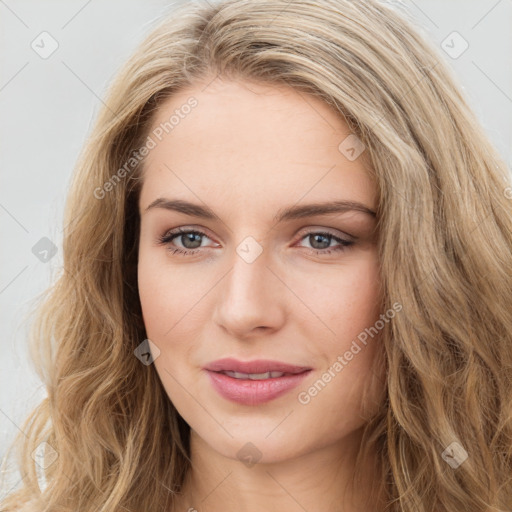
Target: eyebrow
[(284, 214)]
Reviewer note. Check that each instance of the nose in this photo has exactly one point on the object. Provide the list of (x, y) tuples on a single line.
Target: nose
[(251, 299)]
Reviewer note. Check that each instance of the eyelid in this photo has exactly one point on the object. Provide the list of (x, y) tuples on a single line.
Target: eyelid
[(336, 233), (175, 232)]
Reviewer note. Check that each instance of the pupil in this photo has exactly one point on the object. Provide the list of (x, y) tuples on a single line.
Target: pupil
[(316, 237)]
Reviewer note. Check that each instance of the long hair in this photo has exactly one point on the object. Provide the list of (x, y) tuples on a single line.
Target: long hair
[(445, 249)]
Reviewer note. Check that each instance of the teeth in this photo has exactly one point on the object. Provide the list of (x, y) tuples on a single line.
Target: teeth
[(254, 376)]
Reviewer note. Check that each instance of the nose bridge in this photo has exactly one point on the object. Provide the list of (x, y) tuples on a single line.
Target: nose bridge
[(248, 298), (249, 273)]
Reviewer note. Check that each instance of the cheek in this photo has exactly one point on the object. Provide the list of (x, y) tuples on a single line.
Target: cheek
[(156, 303), (174, 312), (168, 312), (167, 295), (347, 304), (354, 319), (342, 302), (360, 302)]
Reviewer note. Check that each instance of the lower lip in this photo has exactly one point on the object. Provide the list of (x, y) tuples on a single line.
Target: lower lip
[(254, 392)]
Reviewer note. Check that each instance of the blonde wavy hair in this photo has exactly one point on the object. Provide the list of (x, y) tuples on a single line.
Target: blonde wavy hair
[(445, 246)]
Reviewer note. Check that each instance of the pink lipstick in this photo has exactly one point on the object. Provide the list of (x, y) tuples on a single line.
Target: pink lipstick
[(254, 382)]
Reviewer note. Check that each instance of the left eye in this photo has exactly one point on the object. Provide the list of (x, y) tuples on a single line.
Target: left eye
[(191, 241), (324, 240)]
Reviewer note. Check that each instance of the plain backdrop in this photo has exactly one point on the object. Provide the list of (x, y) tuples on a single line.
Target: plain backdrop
[(47, 104)]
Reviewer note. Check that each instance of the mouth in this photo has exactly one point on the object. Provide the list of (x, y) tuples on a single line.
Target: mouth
[(254, 382)]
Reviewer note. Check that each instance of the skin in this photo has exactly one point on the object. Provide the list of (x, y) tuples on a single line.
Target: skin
[(246, 151)]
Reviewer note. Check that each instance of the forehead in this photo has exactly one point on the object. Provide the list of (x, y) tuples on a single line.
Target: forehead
[(245, 141)]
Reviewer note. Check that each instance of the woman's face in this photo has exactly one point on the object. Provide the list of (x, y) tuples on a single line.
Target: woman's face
[(266, 276)]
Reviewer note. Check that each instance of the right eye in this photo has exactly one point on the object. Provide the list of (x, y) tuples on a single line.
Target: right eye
[(186, 237)]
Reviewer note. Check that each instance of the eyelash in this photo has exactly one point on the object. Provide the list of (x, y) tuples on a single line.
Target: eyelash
[(169, 236)]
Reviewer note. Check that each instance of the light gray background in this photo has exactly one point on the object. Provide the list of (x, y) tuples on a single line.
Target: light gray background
[(47, 105)]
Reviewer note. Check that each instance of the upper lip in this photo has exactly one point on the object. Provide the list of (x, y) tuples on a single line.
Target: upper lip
[(256, 366)]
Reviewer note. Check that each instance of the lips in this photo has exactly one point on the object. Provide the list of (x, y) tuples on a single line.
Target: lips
[(254, 382)]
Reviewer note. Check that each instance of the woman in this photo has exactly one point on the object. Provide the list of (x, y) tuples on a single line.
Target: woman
[(287, 278)]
